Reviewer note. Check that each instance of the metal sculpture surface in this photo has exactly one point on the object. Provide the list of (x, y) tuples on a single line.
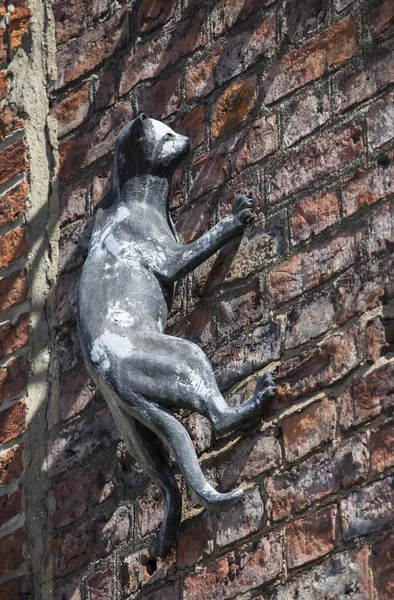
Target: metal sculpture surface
[(125, 293)]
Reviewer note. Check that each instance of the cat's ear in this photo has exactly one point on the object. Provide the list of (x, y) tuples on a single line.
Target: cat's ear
[(138, 126)]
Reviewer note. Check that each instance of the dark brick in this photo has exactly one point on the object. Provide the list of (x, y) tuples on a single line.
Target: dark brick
[(193, 223), (228, 13), (380, 121), (14, 336), (13, 378), (238, 309), (67, 351), (310, 318), (382, 232), (302, 17), (163, 98), (69, 16), (75, 394), (11, 551), (241, 520), (106, 87), (382, 448), (100, 583), (382, 17), (10, 507), (11, 465), (73, 247), (193, 125), (72, 109), (194, 540), (382, 564), (311, 538), (380, 338)]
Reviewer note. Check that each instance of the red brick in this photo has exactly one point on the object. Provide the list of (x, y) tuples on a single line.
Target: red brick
[(82, 150), (318, 477), (228, 13), (380, 121), (366, 398), (197, 327), (344, 574), (10, 507), (238, 309), (241, 520), (239, 571), (72, 109), (233, 57), (200, 431), (194, 540), (9, 122), (12, 422), (382, 17), (100, 583), (3, 85), (374, 78), (4, 45), (309, 319), (84, 438), (106, 87), (312, 162), (309, 429), (382, 232), (325, 52), (12, 246), (314, 215), (382, 448), (367, 187), (305, 114), (163, 98), (83, 54), (193, 125), (13, 202), (75, 394), (193, 223), (13, 290), (318, 367), (13, 336), (250, 186), (69, 16), (245, 148), (311, 538), (154, 13), (73, 201), (14, 160), (151, 58), (101, 185), (252, 456), (369, 509), (70, 591), (171, 591), (380, 338), (10, 590), (11, 552), (233, 106), (382, 565), (11, 465), (13, 378), (310, 269), (19, 24), (302, 16)]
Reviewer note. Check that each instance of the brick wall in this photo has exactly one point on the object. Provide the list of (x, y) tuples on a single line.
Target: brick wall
[(292, 101)]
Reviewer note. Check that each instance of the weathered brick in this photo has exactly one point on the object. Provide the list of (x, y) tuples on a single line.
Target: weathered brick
[(195, 540), (13, 202), (367, 187), (14, 160), (375, 77), (10, 122), (317, 477), (150, 58), (340, 5), (83, 54), (151, 15), (241, 520), (245, 148), (322, 54), (193, 125), (10, 507), (367, 397), (101, 184), (12, 246), (228, 13), (171, 591), (236, 55), (314, 215), (302, 17), (344, 574), (11, 465), (69, 15), (82, 150), (13, 336), (19, 24), (380, 338), (310, 538), (382, 232), (238, 309), (13, 290), (380, 121), (308, 429), (66, 301), (12, 422), (305, 114), (382, 565), (309, 319), (10, 590), (149, 510), (75, 394), (163, 98), (309, 269), (382, 448), (3, 84), (73, 247), (11, 551), (197, 327), (200, 431), (73, 199), (249, 458), (13, 378), (100, 583), (368, 509), (233, 106), (4, 44), (312, 162), (382, 17), (250, 186), (87, 436), (247, 354), (70, 591), (67, 351), (194, 222), (137, 573), (106, 87), (72, 109), (236, 572)]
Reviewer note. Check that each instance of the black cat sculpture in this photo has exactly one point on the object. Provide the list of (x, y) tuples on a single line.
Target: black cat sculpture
[(125, 293)]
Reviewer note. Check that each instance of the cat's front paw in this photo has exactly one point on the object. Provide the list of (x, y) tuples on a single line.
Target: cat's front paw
[(265, 389), (243, 208)]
